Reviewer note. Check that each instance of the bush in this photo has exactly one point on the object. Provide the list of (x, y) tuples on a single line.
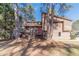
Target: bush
[(73, 35), (4, 35)]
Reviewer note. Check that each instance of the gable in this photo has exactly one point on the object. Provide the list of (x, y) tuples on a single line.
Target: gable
[(66, 23)]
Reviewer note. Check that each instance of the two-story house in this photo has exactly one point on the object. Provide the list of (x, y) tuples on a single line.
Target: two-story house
[(61, 26)]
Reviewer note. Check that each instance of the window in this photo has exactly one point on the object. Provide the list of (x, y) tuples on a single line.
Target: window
[(59, 34)]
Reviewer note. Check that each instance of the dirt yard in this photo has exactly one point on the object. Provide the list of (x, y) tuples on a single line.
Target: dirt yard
[(26, 47)]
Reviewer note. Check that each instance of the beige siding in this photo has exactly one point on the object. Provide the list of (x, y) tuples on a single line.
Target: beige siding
[(67, 27), (67, 24), (64, 36), (62, 28)]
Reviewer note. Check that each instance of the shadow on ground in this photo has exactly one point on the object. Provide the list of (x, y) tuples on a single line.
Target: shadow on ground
[(39, 47)]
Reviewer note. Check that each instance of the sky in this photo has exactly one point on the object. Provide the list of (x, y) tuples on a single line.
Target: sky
[(37, 11), (72, 14)]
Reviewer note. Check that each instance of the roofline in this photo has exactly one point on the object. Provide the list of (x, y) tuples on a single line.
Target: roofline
[(59, 17), (62, 17)]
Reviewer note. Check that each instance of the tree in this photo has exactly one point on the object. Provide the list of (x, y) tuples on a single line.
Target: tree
[(75, 25), (52, 9), (6, 21), (75, 29), (28, 10)]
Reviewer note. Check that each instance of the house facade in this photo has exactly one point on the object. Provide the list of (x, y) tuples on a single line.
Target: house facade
[(61, 26)]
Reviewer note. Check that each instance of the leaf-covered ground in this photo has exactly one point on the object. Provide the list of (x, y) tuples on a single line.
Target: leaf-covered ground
[(38, 47)]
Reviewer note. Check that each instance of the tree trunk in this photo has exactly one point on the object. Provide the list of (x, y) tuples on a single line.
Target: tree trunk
[(16, 30), (50, 22)]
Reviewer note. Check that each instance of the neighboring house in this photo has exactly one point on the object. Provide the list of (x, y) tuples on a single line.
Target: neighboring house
[(61, 26), (32, 26)]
